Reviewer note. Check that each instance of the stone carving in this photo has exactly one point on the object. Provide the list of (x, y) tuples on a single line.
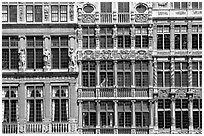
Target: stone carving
[(46, 12), (181, 93), (190, 72), (162, 4), (21, 128), (115, 54), (141, 18), (155, 72), (20, 13), (71, 12), (163, 93), (88, 18), (73, 60), (46, 128), (172, 71), (22, 59), (46, 58), (197, 93)]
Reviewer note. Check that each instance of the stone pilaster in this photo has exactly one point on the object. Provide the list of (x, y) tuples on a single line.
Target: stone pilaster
[(80, 118), (151, 114), (189, 35), (115, 76), (155, 113), (132, 31), (47, 102), (150, 36), (115, 34), (154, 36), (133, 118), (172, 35), (155, 72), (97, 78), (47, 53), (73, 99), (190, 111), (173, 115), (116, 116), (97, 116), (80, 75), (22, 107), (80, 37), (97, 31), (133, 78)]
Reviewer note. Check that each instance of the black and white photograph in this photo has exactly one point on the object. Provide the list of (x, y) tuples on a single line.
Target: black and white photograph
[(101, 67)]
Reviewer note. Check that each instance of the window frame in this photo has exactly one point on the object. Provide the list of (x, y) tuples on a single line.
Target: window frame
[(164, 110), (109, 114), (124, 71), (163, 71), (125, 36), (87, 113), (181, 33), (89, 71), (163, 31), (181, 72), (108, 72), (141, 112), (5, 13), (141, 33), (124, 112), (141, 71), (107, 36), (60, 46), (197, 31), (89, 34)]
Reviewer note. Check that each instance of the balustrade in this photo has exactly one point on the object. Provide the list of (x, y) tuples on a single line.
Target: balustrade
[(124, 92), (124, 131), (142, 131), (141, 92), (91, 92), (9, 128), (34, 128), (123, 17), (106, 92), (107, 131), (89, 131), (106, 17), (60, 128)]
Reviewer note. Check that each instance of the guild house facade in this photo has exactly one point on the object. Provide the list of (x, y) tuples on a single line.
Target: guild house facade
[(102, 67)]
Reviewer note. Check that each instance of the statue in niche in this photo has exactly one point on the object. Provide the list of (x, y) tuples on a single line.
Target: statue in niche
[(72, 60), (46, 58), (22, 59)]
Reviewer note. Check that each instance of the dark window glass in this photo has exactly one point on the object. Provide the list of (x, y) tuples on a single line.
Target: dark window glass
[(38, 13), (13, 13)]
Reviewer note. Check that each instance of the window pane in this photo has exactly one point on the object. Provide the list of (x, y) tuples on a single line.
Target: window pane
[(14, 58), (13, 111), (138, 41), (106, 7), (64, 58), (185, 79), (159, 41), (85, 42), (102, 42), (185, 119), (63, 110), (178, 119), (195, 41), (138, 78), (39, 58), (167, 41), (13, 13), (145, 79), (161, 119), (55, 58), (195, 79), (38, 13), (138, 117), (29, 13), (121, 119), (177, 79), (145, 41), (5, 59), (30, 58), (159, 79), (145, 119), (167, 119), (167, 79)]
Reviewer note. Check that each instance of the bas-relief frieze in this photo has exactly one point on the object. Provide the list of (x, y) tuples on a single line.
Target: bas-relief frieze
[(114, 54), (181, 93), (197, 93), (163, 93), (88, 18)]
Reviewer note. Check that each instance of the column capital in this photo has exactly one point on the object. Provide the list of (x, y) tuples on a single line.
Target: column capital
[(79, 101), (22, 36), (132, 61), (97, 101), (72, 36), (133, 101), (46, 36), (115, 101)]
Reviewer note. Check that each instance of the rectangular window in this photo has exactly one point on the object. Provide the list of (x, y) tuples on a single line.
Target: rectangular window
[(13, 13), (106, 73), (34, 52), (9, 103), (106, 7), (54, 13), (89, 40), (29, 13), (142, 114), (89, 114), (141, 38), (38, 13), (197, 37), (63, 13), (124, 40), (88, 74), (59, 52), (124, 114), (163, 37), (123, 7), (60, 103), (181, 74), (124, 72), (197, 74), (34, 103), (141, 75), (4, 13)]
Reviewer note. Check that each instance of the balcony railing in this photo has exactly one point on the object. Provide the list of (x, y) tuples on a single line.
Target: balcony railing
[(91, 92), (107, 131), (123, 17), (124, 92), (142, 131), (34, 128), (60, 128), (9, 128), (124, 131), (106, 17), (106, 92), (112, 92), (89, 131)]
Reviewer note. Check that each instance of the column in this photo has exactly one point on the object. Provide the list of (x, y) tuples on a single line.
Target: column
[(115, 34), (47, 107), (154, 36), (116, 116), (47, 53), (155, 75), (22, 107), (173, 115), (150, 78), (80, 116), (115, 78), (133, 118), (97, 116), (190, 76), (172, 35), (150, 36), (189, 35), (79, 35), (172, 73), (73, 106), (156, 114), (97, 30), (98, 78), (80, 74), (133, 78), (22, 53), (190, 112), (151, 114), (132, 29)]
